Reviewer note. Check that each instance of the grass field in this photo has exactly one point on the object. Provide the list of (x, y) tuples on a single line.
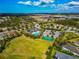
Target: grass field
[(25, 48)]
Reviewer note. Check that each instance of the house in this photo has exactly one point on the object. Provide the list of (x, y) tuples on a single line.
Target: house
[(37, 26), (36, 32), (55, 26), (48, 35), (2, 35), (69, 29), (56, 34), (77, 43), (74, 29), (11, 33), (60, 27), (65, 28), (4, 29), (71, 48), (60, 55)]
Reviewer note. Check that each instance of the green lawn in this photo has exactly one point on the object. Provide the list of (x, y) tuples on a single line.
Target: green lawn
[(25, 48), (71, 37)]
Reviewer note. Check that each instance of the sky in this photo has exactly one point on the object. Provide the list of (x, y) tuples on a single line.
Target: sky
[(39, 6)]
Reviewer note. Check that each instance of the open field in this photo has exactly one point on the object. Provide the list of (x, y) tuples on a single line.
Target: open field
[(26, 48)]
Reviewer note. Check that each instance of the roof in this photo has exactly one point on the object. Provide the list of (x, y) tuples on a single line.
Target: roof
[(77, 43), (72, 48), (61, 55)]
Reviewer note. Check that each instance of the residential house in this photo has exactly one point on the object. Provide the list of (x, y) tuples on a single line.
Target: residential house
[(2, 35), (77, 43), (48, 35), (57, 34), (37, 26), (60, 55), (71, 48)]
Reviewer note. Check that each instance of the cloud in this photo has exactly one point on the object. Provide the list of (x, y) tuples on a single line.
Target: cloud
[(26, 3), (37, 3), (67, 7), (74, 3), (62, 7), (47, 1)]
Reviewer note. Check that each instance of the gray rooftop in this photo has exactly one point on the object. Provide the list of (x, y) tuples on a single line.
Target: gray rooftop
[(61, 55), (77, 42), (72, 48)]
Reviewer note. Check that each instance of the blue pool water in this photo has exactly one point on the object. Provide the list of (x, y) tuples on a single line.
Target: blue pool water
[(36, 34)]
